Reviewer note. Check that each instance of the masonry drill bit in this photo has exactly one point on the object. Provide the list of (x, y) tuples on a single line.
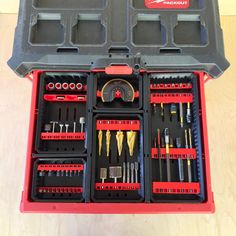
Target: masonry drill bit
[(167, 143), (188, 159), (119, 140), (131, 136), (108, 142), (181, 116), (100, 136), (188, 114)]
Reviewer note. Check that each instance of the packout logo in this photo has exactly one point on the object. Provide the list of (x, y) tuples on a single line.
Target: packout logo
[(167, 4)]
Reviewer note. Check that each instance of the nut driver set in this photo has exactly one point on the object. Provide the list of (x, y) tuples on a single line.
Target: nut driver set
[(118, 116)]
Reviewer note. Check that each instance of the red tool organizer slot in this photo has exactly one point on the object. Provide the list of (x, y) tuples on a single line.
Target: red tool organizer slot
[(60, 167), (171, 97), (118, 125), (60, 190), (64, 98), (170, 86), (175, 188), (175, 153), (117, 186), (63, 136)]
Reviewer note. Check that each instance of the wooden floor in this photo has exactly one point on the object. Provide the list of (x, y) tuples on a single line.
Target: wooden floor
[(15, 96)]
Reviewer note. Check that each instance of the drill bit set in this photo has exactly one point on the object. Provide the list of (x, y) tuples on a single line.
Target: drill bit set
[(62, 115), (58, 180), (117, 165), (174, 153)]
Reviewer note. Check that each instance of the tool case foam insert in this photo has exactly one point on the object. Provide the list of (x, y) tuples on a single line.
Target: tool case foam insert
[(118, 119)]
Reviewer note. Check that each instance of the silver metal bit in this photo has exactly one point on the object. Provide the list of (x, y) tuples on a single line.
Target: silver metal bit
[(53, 125), (180, 161), (61, 127), (74, 127), (128, 176), (115, 172), (136, 171), (188, 159), (167, 143), (188, 114), (124, 172), (67, 127), (82, 122), (132, 172), (181, 116), (103, 174)]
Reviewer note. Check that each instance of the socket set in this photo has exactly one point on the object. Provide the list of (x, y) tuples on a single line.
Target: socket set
[(118, 117)]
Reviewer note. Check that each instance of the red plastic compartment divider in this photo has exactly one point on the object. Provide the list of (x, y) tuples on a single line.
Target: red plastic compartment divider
[(118, 125), (63, 136), (117, 186), (171, 97)]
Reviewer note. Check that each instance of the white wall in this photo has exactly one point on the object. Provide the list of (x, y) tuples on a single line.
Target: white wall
[(227, 7)]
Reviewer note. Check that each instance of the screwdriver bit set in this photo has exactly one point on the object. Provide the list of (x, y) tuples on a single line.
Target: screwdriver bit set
[(118, 117)]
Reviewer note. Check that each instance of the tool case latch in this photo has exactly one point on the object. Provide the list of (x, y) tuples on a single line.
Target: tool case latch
[(118, 70)]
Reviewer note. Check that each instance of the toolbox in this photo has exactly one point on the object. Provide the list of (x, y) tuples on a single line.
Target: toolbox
[(118, 117)]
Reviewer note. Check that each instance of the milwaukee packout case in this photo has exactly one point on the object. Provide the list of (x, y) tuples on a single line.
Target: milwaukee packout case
[(118, 118)]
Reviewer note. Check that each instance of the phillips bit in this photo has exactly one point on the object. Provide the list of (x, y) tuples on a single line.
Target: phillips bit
[(131, 136), (128, 176), (82, 122), (180, 161), (124, 172), (103, 174), (167, 143), (108, 142), (188, 114), (100, 134), (159, 153), (119, 140), (136, 171), (132, 172), (181, 116), (188, 159)]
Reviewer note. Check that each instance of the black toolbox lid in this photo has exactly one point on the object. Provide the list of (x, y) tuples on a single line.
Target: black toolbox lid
[(87, 34)]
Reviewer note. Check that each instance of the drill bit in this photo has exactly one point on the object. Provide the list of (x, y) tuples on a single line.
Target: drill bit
[(180, 161), (103, 174), (82, 122), (188, 114), (132, 172), (100, 134), (136, 171), (61, 127), (162, 112), (124, 172), (67, 127), (128, 176), (181, 117), (74, 127), (108, 142), (131, 136), (167, 143), (115, 172), (53, 125), (159, 153), (188, 159), (119, 140)]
